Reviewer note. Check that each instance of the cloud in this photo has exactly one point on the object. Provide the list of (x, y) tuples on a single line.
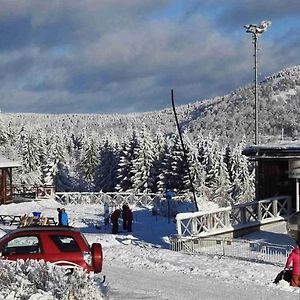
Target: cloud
[(126, 55)]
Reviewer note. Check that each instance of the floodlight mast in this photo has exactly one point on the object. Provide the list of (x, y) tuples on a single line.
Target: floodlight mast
[(256, 31)]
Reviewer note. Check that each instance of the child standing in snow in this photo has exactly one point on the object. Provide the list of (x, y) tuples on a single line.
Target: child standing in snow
[(294, 261)]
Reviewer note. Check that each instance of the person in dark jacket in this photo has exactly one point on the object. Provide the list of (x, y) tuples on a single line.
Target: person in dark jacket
[(114, 218), (294, 261), (128, 218), (59, 216), (124, 207)]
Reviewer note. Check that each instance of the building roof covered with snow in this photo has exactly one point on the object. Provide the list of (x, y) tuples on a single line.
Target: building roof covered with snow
[(6, 163), (283, 150)]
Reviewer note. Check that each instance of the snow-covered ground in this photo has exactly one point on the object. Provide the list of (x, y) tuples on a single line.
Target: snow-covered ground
[(140, 265)]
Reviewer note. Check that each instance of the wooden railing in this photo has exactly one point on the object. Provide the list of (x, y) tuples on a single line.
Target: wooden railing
[(222, 220), (34, 192), (112, 199)]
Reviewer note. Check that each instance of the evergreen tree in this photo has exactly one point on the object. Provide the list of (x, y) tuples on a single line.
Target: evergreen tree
[(217, 176), (196, 169), (107, 170), (54, 161), (174, 167), (31, 153), (163, 167), (125, 166), (243, 189), (89, 160), (141, 165)]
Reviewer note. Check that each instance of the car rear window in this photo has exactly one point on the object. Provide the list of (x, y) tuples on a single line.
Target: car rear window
[(65, 243)]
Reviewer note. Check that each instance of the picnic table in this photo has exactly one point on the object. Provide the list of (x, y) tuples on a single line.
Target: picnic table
[(26, 220)]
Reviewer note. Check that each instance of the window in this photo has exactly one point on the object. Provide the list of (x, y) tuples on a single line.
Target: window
[(65, 243), (22, 245)]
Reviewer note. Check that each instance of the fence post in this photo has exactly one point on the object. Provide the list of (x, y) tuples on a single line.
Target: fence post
[(178, 226), (227, 218), (289, 205), (194, 226), (259, 212), (275, 207)]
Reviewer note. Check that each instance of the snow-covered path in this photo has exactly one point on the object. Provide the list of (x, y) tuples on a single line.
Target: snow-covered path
[(140, 266), (127, 283)]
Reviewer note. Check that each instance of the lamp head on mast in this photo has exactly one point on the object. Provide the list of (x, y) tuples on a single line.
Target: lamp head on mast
[(258, 29)]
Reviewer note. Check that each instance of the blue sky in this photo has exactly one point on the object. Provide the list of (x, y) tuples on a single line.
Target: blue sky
[(122, 56)]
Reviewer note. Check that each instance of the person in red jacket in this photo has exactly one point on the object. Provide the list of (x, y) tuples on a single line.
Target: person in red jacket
[(114, 218), (294, 261)]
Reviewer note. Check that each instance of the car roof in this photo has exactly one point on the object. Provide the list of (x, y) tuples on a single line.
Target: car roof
[(46, 228)]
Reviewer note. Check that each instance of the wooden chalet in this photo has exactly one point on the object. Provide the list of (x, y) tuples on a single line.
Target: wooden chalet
[(278, 170), (6, 184)]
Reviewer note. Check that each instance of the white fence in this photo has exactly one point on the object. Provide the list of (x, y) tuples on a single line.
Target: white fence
[(239, 249), (222, 220), (112, 199)]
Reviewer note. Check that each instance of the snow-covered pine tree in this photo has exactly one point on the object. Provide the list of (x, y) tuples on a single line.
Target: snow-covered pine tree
[(243, 179), (163, 168), (107, 169), (54, 160), (125, 167), (174, 166), (156, 168), (217, 174), (3, 134), (196, 168), (89, 162), (221, 185), (31, 153), (143, 161)]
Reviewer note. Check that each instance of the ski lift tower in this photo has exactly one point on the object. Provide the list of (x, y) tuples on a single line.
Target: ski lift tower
[(256, 31)]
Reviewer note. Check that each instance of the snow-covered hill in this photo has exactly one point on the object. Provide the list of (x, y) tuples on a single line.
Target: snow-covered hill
[(229, 116), (140, 265)]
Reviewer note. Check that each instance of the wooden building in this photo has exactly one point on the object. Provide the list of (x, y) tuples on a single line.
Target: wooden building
[(6, 183), (278, 170)]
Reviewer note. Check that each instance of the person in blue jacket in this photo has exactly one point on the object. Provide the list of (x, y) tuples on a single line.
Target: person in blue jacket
[(64, 218)]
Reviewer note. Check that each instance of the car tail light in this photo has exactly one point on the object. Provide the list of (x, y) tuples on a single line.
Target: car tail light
[(87, 256)]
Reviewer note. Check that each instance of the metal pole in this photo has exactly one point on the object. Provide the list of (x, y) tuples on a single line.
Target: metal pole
[(256, 141), (184, 152), (255, 89)]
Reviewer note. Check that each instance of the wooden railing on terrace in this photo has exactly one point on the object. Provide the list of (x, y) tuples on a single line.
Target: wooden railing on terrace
[(222, 220)]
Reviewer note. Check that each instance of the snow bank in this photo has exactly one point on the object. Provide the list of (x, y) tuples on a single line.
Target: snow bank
[(44, 281)]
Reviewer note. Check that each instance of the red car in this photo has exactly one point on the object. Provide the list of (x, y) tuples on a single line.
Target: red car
[(64, 246)]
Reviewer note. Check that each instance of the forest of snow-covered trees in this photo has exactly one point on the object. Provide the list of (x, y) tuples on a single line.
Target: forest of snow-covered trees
[(142, 153), (142, 162)]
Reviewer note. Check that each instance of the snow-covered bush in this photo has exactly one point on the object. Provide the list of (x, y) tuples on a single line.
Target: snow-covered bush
[(42, 280)]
